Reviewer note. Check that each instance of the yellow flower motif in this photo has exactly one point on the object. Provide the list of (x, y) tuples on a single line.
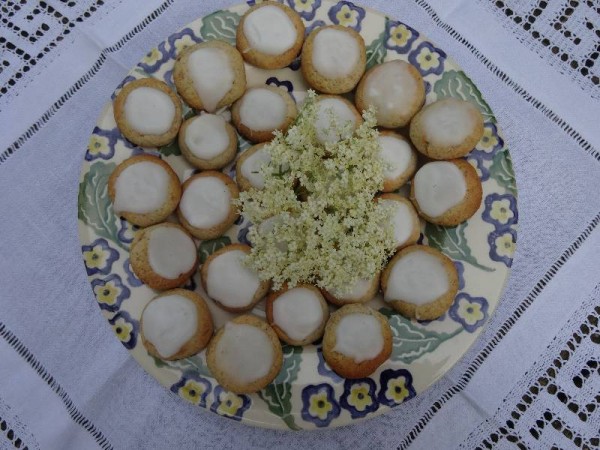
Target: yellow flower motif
[(501, 211), (428, 59), (397, 390), (182, 43), (98, 144), (95, 258), (489, 139), (505, 245), (399, 35), (303, 5), (470, 312), (229, 403), (122, 329), (192, 391), (346, 16), (107, 294), (320, 406), (359, 397), (153, 57)]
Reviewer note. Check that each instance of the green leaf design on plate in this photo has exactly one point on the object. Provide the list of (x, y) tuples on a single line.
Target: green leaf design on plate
[(207, 248), (501, 170), (171, 149), (412, 341), (452, 242), (94, 207), (457, 84), (278, 394), (220, 25), (376, 50), (243, 144)]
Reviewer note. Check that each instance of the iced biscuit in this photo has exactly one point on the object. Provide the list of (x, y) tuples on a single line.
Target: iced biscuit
[(447, 129), (357, 341), (298, 315), (397, 91), (148, 112), (245, 355), (399, 158), (248, 167), (163, 256), (261, 111), (210, 75), (144, 190), (225, 278), (208, 142), (270, 35), (362, 291), (176, 324), (333, 59), (446, 192), (336, 119), (206, 209), (420, 282), (405, 220)]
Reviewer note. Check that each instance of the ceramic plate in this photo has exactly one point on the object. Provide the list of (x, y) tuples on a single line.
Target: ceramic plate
[(307, 394)]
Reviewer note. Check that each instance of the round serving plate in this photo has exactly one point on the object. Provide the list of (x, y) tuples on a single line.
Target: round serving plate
[(307, 394)]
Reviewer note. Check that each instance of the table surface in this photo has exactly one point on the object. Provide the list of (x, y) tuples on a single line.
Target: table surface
[(532, 378)]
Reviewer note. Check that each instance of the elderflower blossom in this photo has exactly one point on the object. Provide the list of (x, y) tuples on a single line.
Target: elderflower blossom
[(315, 220)]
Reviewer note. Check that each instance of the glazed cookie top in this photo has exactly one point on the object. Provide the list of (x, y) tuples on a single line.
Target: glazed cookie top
[(298, 312), (438, 187), (262, 109), (396, 154), (359, 336), (340, 110), (336, 52), (206, 202), (169, 322), (250, 168), (149, 111), (171, 251), (269, 30), (449, 122), (206, 136), (405, 221)]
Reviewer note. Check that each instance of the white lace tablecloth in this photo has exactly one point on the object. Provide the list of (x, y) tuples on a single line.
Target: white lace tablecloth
[(532, 380)]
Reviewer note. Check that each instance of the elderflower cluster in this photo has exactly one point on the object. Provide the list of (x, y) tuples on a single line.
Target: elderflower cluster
[(315, 221)]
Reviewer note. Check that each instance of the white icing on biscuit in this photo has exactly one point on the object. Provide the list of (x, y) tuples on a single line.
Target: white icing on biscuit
[(359, 336), (357, 291), (251, 167), (334, 108), (212, 75), (396, 155), (298, 312), (230, 282), (262, 109), (448, 122), (439, 186), (206, 136), (149, 111), (418, 278), (169, 322), (206, 202), (335, 53), (244, 352), (402, 220), (171, 252), (269, 30), (392, 89), (141, 188)]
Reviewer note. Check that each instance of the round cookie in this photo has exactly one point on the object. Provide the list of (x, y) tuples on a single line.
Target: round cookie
[(405, 220), (400, 160), (361, 292), (270, 35), (261, 111), (175, 325), (148, 112), (298, 315), (207, 141), (210, 75), (447, 129), (420, 282), (231, 284), (330, 109), (206, 209), (395, 88), (248, 165), (446, 192), (357, 341), (163, 256), (245, 355), (333, 59), (144, 190)]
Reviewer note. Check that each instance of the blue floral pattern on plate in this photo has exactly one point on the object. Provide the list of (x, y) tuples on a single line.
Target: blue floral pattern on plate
[(193, 388), (396, 386), (500, 210), (125, 328), (502, 243), (428, 59), (229, 404), (399, 36), (470, 312), (306, 8), (110, 292), (102, 144), (359, 397), (346, 14), (99, 257), (319, 405)]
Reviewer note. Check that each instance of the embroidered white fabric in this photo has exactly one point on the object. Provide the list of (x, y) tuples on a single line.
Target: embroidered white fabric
[(47, 303)]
